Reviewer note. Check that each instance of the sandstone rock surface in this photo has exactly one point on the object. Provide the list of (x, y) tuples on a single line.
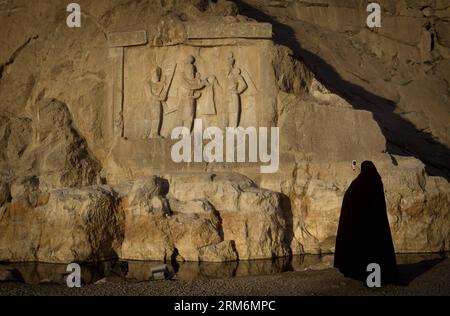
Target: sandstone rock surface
[(62, 225), (78, 182)]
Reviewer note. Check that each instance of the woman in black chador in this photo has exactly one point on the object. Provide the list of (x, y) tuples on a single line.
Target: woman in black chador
[(363, 235)]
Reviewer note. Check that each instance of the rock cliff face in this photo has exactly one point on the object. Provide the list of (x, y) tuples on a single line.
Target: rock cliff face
[(399, 71), (78, 182)]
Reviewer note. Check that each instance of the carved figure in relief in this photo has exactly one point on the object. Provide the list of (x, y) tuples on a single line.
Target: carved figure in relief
[(158, 88), (189, 92), (236, 85)]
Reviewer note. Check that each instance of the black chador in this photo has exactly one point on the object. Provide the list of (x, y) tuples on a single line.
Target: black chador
[(364, 235)]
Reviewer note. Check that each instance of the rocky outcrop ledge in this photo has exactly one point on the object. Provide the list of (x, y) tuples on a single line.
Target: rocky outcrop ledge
[(142, 220)]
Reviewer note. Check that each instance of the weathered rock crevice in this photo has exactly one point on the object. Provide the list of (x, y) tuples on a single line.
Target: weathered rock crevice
[(15, 54)]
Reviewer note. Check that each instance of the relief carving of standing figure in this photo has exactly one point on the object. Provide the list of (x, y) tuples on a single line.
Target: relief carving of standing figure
[(158, 89), (189, 92), (236, 86)]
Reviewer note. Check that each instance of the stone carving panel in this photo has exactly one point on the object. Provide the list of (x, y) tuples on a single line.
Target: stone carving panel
[(166, 87)]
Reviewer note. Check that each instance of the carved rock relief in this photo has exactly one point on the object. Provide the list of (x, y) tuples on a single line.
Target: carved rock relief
[(169, 87)]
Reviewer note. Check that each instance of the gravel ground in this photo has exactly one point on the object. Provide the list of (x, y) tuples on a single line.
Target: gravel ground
[(425, 278)]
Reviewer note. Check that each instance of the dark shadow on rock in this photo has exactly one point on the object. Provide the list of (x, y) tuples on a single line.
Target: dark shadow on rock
[(403, 138), (163, 184), (215, 218), (285, 203)]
